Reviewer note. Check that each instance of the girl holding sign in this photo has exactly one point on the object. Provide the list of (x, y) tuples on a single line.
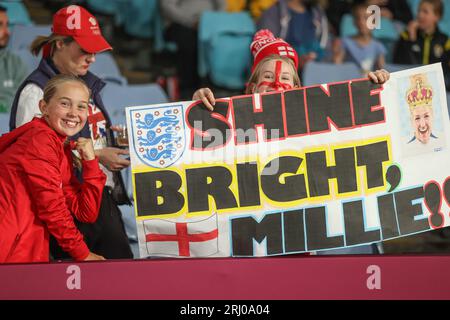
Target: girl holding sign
[(275, 69)]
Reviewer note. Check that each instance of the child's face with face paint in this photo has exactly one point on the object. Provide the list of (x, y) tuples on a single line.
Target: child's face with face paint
[(275, 75)]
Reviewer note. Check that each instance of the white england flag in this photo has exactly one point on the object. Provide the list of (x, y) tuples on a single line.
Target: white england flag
[(181, 239)]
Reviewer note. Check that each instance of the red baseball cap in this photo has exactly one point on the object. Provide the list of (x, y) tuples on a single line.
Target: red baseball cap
[(264, 44), (78, 23)]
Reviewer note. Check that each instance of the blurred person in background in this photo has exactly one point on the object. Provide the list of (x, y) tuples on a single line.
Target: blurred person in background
[(422, 42), (398, 11), (303, 24), (255, 7), (183, 17), (12, 69), (362, 49)]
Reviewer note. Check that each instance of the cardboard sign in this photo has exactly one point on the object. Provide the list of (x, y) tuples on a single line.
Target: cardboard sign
[(313, 168)]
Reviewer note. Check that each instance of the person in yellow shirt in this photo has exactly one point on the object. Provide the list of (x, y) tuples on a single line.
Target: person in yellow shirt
[(256, 7), (422, 42)]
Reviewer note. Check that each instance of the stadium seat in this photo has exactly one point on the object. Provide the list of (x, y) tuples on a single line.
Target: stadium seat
[(105, 64), (347, 27), (319, 73), (116, 98), (28, 58), (142, 19), (106, 7), (17, 12), (444, 24), (23, 35), (4, 122), (388, 31), (106, 68), (138, 18), (224, 40), (120, 80), (414, 5)]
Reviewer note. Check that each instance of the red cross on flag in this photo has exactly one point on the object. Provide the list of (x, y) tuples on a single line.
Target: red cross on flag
[(286, 51), (182, 239)]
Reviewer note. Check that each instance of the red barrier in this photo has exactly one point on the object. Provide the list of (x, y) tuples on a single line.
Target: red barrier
[(299, 277)]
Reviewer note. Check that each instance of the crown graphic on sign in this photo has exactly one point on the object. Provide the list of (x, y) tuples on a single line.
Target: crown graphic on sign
[(421, 93)]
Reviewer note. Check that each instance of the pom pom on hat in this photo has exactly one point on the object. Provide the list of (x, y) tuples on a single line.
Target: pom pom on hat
[(264, 44)]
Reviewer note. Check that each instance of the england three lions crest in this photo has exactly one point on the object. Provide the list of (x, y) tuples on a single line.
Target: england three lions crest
[(158, 135)]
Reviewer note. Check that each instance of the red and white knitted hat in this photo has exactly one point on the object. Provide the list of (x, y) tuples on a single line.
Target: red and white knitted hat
[(264, 44)]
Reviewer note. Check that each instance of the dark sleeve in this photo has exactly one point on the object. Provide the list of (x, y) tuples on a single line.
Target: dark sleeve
[(335, 10), (403, 50)]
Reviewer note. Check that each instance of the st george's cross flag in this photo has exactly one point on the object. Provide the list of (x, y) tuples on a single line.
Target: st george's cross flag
[(182, 239)]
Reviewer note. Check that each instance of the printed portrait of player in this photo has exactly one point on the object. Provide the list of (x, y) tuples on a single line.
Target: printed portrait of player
[(419, 98)]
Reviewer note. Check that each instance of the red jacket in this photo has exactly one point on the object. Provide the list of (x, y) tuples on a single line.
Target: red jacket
[(38, 193)]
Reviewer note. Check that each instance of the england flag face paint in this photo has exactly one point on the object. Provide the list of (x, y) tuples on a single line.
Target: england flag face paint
[(275, 75)]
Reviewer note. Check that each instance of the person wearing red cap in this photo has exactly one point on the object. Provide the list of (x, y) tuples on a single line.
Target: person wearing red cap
[(274, 68), (71, 48)]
